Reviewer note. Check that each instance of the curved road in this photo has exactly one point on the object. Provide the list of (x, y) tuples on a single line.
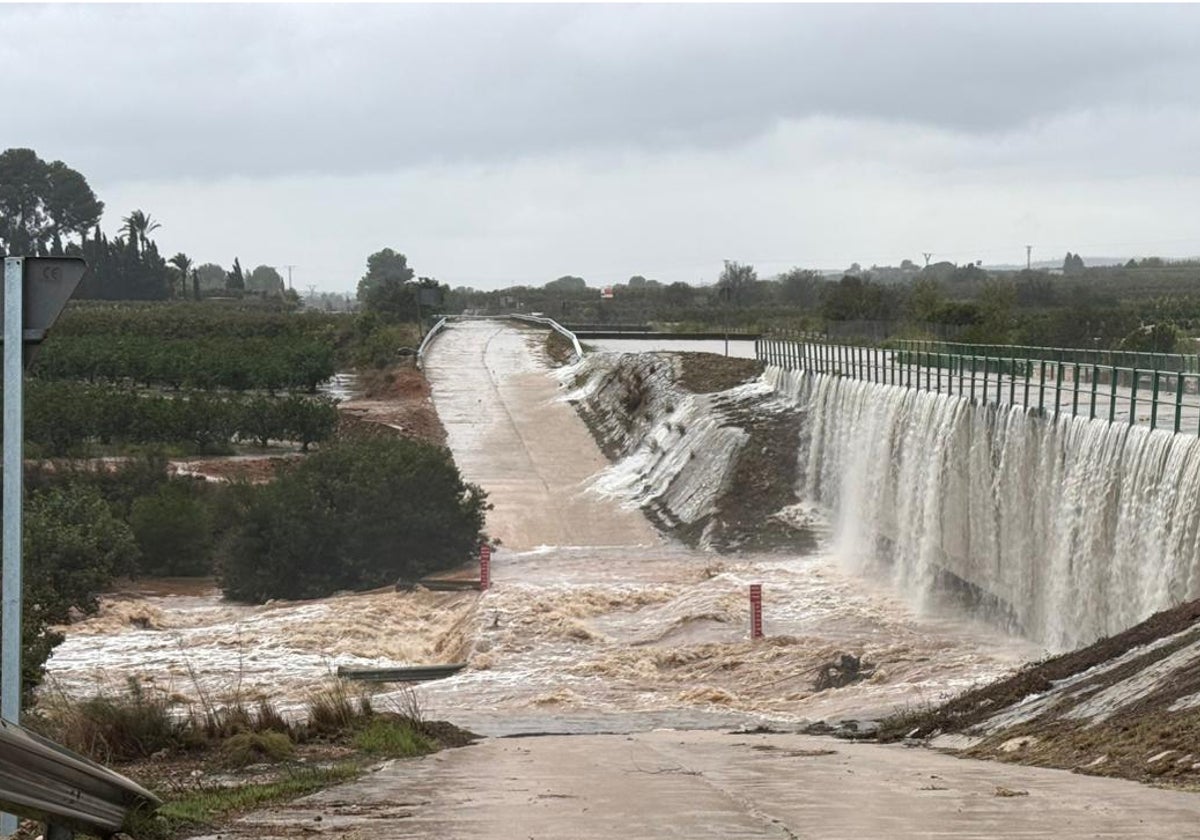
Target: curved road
[(512, 434)]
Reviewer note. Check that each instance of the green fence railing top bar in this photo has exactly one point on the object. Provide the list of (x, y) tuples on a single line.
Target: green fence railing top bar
[(1185, 362), (1095, 387)]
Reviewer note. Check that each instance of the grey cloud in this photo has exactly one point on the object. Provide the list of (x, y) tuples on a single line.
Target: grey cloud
[(219, 91)]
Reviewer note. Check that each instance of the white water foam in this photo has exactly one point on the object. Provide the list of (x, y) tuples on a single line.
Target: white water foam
[(1081, 527)]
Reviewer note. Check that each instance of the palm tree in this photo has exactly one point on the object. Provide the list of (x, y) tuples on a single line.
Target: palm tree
[(184, 263), (138, 225)]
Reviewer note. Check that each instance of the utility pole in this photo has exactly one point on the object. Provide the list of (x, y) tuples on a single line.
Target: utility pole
[(289, 268), (1028, 257), (927, 255)]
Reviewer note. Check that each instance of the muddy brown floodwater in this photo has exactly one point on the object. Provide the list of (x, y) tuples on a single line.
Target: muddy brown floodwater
[(595, 622)]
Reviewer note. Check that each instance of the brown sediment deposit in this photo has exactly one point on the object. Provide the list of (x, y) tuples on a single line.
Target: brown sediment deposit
[(394, 402)]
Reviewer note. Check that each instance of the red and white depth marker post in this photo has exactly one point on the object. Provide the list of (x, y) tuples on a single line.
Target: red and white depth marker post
[(756, 611), (485, 567)]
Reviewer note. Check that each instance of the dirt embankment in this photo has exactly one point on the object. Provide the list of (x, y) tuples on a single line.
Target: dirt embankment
[(709, 451), (395, 402), (1128, 705)]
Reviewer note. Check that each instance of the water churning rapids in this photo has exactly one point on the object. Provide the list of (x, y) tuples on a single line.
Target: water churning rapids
[(595, 622), (1080, 528)]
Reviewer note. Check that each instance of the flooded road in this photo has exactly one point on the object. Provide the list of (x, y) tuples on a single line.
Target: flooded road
[(595, 621)]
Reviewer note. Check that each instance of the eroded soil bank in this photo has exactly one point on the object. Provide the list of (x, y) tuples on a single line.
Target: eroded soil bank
[(1126, 706), (701, 444)]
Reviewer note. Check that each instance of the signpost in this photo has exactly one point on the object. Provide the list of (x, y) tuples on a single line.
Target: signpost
[(756, 627), (485, 567), (35, 291)]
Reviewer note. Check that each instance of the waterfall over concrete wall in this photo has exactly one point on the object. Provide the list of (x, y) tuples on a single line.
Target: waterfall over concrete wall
[(1079, 527)]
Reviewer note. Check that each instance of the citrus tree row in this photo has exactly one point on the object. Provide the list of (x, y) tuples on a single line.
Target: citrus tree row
[(194, 320), (236, 364), (62, 418)]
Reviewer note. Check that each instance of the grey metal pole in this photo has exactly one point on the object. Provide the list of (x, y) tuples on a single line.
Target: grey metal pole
[(10, 594)]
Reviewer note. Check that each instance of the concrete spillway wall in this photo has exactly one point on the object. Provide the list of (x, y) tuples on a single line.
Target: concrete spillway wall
[(1080, 528), (1066, 529)]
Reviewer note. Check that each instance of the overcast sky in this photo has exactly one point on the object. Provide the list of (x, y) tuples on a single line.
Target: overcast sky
[(513, 144)]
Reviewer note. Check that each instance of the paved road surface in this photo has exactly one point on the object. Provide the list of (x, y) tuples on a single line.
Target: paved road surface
[(713, 785), (512, 434)]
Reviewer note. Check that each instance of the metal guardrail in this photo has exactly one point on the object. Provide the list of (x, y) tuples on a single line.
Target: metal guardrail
[(417, 673), (1159, 398), (427, 340), (554, 325), (42, 781), (532, 319)]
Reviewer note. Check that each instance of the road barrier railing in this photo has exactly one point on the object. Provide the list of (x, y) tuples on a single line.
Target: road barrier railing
[(43, 781), (427, 340), (441, 325), (1158, 397), (554, 325)]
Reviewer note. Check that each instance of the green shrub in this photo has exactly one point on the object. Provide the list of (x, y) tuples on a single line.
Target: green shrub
[(64, 418), (332, 710), (173, 529), (284, 363), (247, 748), (73, 548), (134, 725), (392, 737), (356, 515)]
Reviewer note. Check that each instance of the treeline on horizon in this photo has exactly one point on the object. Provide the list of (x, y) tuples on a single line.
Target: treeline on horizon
[(1146, 305)]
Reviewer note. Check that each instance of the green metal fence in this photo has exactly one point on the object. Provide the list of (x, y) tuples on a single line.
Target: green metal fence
[(1188, 363), (1161, 398)]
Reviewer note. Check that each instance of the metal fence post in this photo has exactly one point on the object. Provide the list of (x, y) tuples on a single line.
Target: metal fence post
[(1178, 399), (10, 653), (1112, 395), (1133, 397), (1058, 372), (13, 484), (1075, 391), (1095, 380), (1154, 401), (1041, 386)]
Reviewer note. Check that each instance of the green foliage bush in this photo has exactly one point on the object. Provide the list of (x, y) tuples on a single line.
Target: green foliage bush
[(376, 343), (62, 417), (247, 748), (235, 363), (355, 515), (73, 548), (393, 737), (210, 319), (173, 529), (1156, 338)]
